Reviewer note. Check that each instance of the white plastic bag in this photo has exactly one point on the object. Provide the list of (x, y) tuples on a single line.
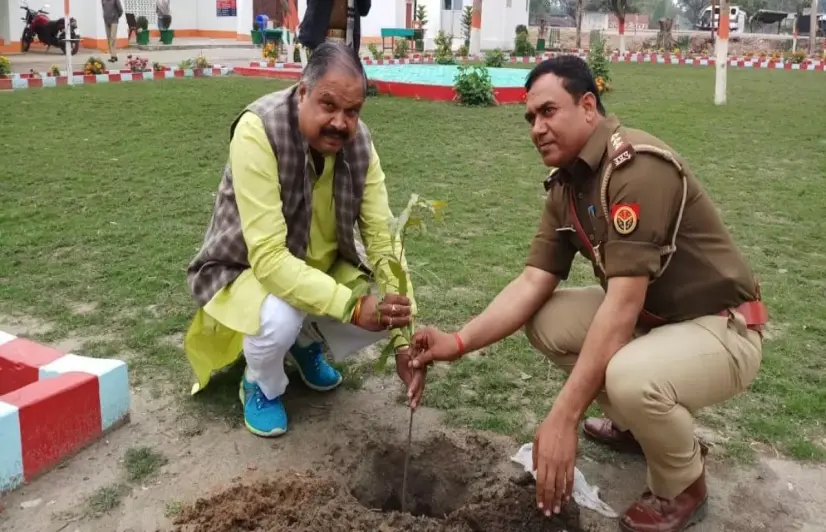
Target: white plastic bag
[(584, 495)]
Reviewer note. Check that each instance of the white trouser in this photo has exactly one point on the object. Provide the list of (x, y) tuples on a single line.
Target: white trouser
[(282, 326)]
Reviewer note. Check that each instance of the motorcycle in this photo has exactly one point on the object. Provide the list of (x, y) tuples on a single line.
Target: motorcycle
[(40, 28)]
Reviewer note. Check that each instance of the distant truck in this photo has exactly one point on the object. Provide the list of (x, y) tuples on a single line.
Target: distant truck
[(803, 23), (737, 20)]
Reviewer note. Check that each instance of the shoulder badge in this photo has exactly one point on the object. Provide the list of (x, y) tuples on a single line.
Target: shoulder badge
[(621, 151), (552, 179), (625, 217)]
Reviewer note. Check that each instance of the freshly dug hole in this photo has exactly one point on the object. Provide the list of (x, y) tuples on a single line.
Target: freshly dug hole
[(451, 488), (437, 479)]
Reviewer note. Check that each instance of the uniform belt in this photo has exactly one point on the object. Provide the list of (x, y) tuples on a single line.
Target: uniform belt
[(755, 314)]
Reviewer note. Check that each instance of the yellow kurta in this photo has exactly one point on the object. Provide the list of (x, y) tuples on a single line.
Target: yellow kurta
[(319, 285)]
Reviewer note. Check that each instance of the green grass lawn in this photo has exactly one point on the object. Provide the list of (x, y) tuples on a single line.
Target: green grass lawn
[(98, 223)]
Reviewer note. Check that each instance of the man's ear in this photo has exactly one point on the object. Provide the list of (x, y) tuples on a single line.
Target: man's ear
[(589, 104), (302, 91)]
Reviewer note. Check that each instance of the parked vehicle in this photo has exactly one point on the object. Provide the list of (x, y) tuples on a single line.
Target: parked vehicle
[(40, 28)]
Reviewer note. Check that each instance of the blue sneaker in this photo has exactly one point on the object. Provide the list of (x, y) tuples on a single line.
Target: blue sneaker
[(316, 373), (262, 416)]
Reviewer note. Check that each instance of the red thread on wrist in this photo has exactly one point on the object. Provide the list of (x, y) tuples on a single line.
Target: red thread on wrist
[(460, 343)]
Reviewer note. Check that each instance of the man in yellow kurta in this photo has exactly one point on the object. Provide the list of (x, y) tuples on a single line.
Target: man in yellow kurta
[(281, 259)]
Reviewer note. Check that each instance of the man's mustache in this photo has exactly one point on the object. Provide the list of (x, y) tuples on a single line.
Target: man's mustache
[(342, 134)]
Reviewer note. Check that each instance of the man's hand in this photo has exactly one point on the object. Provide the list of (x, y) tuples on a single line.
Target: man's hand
[(430, 344), (413, 378), (392, 312), (554, 456)]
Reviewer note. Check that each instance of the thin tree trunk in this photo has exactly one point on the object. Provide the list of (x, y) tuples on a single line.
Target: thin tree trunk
[(621, 28), (813, 27), (579, 6)]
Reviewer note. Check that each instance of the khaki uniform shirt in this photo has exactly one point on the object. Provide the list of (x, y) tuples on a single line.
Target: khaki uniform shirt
[(706, 275)]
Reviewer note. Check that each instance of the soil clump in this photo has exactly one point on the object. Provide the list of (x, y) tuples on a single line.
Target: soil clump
[(451, 488)]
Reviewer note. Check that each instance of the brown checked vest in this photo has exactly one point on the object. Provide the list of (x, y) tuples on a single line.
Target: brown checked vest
[(223, 255)]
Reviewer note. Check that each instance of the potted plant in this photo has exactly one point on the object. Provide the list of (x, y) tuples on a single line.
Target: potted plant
[(419, 24), (540, 41), (168, 34), (136, 64), (93, 66), (257, 36), (142, 33)]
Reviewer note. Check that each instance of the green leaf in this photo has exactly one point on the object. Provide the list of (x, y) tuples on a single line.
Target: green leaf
[(401, 224), (400, 275), (437, 206), (385, 353), (414, 221), (361, 290)]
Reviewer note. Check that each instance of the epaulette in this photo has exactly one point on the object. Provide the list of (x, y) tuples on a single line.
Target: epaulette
[(620, 150), (551, 180)]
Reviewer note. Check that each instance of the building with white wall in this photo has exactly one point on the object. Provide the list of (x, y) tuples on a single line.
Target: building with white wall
[(202, 18), (499, 20)]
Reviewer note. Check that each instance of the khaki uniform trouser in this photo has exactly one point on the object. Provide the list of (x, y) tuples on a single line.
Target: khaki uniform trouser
[(656, 381), (111, 37)]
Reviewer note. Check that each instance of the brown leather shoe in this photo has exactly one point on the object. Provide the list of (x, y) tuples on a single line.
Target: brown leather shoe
[(602, 430), (653, 514)]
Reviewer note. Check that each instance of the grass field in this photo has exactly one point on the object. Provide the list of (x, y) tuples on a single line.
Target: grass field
[(98, 222)]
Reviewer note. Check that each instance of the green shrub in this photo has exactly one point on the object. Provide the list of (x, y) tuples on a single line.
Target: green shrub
[(401, 50), (522, 47), (473, 86), (598, 63), (375, 52), (444, 49), (494, 58)]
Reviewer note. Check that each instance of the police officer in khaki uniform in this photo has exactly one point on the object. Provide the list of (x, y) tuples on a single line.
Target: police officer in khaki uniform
[(674, 326)]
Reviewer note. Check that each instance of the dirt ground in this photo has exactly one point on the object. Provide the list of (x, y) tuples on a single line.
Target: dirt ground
[(340, 469)]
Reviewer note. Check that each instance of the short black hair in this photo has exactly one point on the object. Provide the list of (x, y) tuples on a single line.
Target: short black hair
[(329, 55), (577, 78)]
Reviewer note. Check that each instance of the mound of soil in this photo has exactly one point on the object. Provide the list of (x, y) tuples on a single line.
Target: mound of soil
[(450, 489)]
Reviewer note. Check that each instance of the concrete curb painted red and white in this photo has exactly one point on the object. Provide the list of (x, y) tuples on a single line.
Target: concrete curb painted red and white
[(52, 405), (815, 65), (638, 58), (26, 81)]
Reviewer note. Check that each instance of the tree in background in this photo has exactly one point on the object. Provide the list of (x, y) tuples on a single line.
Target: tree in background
[(692, 9), (467, 18), (620, 8), (420, 19)]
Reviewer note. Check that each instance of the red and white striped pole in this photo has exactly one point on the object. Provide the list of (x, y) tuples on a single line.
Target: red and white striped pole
[(721, 49), (621, 28), (67, 42), (476, 29)]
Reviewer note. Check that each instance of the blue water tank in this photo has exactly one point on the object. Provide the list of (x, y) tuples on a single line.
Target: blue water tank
[(262, 21)]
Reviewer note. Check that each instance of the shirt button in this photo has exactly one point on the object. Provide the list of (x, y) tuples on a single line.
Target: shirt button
[(579, 195), (591, 237)]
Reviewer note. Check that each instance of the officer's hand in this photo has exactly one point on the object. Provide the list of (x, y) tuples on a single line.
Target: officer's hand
[(392, 312), (414, 379), (432, 345)]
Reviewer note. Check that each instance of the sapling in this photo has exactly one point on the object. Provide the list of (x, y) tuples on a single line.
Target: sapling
[(395, 263)]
